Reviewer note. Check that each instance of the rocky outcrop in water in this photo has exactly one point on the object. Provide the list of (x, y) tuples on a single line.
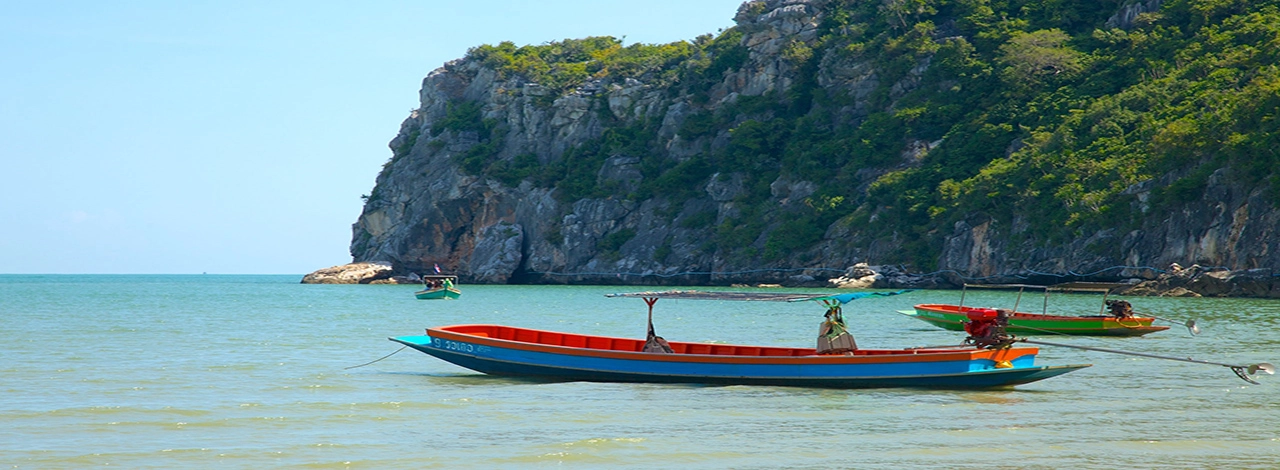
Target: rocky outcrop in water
[(353, 273), (1196, 281)]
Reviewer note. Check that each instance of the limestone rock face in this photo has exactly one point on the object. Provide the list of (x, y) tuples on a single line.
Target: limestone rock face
[(497, 251), (425, 210), (1231, 233)]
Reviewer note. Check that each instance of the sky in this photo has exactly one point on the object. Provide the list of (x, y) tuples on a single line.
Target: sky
[(236, 137)]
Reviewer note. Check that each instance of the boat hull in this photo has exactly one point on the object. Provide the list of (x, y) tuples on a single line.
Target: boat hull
[(556, 356), (953, 317), (438, 293)]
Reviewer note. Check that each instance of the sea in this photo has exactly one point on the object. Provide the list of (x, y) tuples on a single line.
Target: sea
[(260, 371)]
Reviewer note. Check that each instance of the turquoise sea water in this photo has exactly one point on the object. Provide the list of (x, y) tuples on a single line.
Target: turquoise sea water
[(206, 371)]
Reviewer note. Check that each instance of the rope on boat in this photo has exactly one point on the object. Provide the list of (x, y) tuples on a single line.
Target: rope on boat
[(376, 360)]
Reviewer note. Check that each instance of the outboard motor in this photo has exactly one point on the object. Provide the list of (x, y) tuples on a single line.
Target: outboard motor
[(1120, 309), (986, 328)]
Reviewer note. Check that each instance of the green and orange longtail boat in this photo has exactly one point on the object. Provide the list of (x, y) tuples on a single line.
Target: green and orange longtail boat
[(1122, 320), (953, 317)]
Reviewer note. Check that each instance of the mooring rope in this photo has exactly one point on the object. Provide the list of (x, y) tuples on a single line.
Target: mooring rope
[(376, 360)]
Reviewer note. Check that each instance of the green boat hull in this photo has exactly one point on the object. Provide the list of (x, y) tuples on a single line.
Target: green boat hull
[(438, 293), (953, 317)]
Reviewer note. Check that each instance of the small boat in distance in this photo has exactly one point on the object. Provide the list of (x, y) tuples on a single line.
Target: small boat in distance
[(438, 286), (524, 352), (1115, 318)]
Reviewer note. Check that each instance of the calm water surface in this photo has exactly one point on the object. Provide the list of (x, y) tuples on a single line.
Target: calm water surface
[(253, 371)]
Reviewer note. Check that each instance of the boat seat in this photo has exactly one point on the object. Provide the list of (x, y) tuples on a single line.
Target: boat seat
[(657, 344), (842, 343)]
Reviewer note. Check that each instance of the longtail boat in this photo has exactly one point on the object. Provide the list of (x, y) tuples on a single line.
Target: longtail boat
[(1114, 318), (438, 287), (524, 352), (954, 317)]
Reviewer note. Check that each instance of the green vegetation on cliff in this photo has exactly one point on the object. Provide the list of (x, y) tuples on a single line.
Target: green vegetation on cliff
[(1040, 111)]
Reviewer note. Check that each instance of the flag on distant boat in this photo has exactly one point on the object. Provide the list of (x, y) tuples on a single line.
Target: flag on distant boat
[(437, 269)]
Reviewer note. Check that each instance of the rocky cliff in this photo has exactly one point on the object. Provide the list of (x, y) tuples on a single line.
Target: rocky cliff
[(428, 208)]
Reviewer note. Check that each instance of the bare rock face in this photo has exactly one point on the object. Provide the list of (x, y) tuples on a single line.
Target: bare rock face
[(497, 252), (425, 210), (1228, 237), (354, 273), (1127, 16)]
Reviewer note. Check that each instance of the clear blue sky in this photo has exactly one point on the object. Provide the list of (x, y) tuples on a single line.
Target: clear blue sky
[(237, 137)]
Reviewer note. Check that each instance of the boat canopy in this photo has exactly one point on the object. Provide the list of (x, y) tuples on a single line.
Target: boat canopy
[(1063, 287), (759, 296)]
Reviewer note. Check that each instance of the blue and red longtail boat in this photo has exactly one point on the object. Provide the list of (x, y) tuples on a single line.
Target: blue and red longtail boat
[(524, 352)]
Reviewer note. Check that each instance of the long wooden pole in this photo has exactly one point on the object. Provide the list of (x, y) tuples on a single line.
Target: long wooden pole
[(1242, 371)]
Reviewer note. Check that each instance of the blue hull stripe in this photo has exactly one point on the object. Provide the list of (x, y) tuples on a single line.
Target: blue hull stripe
[(951, 373)]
